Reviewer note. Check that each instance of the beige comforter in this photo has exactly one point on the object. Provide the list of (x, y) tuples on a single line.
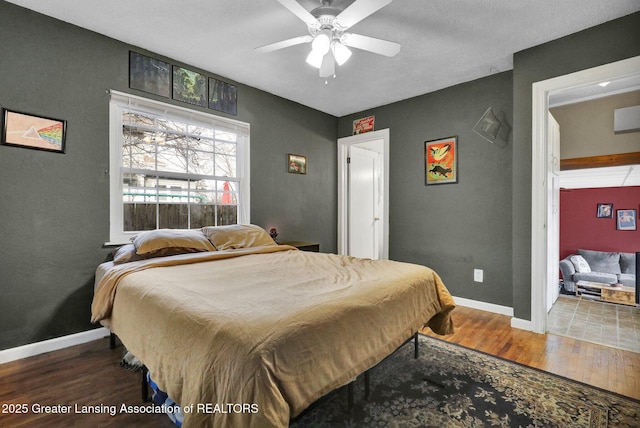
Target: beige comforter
[(264, 332)]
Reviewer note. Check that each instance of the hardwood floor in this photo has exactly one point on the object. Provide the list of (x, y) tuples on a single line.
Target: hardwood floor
[(89, 375), (598, 365), (83, 375)]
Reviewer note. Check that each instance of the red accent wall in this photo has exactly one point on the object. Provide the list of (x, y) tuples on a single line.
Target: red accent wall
[(581, 229)]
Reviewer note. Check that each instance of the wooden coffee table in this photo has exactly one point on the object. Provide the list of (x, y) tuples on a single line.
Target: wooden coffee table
[(606, 292)]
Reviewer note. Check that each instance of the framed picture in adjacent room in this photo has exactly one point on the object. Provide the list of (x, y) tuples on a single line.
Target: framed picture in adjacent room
[(33, 132), (626, 219), (297, 164), (605, 211), (441, 161)]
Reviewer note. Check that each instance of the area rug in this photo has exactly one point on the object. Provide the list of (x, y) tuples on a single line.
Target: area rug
[(452, 386)]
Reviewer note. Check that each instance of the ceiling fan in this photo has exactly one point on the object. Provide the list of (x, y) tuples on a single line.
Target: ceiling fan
[(327, 26)]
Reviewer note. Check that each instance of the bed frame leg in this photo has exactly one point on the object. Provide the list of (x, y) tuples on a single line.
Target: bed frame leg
[(415, 346), (112, 341), (144, 385)]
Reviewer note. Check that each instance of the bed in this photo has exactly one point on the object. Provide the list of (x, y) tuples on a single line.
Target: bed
[(250, 332)]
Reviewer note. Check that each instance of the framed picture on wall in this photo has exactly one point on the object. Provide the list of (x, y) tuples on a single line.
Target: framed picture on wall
[(33, 132), (297, 164), (366, 124), (189, 86), (626, 219), (441, 161), (149, 74), (605, 211), (223, 96)]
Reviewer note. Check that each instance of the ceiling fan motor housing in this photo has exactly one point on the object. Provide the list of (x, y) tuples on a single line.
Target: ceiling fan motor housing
[(325, 22)]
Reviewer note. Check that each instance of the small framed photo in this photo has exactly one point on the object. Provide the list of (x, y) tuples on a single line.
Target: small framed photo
[(33, 132), (605, 211), (441, 161), (626, 219), (366, 124), (189, 86), (297, 164), (223, 96), (149, 74)]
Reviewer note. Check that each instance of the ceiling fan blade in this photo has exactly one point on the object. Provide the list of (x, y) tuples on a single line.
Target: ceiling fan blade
[(284, 44), (359, 10), (299, 11), (371, 44), (328, 67)]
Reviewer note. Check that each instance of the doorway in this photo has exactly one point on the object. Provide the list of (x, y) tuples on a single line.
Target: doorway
[(542, 186), (363, 195)]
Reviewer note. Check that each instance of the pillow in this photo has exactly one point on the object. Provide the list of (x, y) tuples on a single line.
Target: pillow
[(237, 236), (580, 264), (154, 240), (124, 254), (127, 253), (602, 261)]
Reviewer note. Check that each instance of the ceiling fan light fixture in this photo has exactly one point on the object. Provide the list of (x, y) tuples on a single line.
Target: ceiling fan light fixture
[(340, 52), (322, 42), (315, 59)]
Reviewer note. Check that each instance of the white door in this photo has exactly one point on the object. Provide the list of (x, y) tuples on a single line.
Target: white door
[(553, 212), (364, 203), (363, 195)]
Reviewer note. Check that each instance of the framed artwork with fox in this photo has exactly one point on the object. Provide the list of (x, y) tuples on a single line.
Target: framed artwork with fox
[(441, 161)]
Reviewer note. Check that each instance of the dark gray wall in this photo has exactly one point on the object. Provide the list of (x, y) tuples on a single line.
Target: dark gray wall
[(483, 221), (613, 41), (54, 209), (452, 228), (302, 207)]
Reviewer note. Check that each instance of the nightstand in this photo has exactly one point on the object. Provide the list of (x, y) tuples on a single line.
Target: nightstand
[(304, 246)]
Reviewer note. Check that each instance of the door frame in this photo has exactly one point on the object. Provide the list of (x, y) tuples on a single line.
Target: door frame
[(343, 182), (553, 212), (542, 162)]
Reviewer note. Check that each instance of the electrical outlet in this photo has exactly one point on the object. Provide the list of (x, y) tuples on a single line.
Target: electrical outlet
[(478, 275)]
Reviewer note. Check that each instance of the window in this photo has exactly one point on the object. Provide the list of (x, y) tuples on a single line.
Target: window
[(172, 167)]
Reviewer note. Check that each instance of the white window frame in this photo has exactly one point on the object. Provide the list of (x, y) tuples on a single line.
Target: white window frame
[(120, 102)]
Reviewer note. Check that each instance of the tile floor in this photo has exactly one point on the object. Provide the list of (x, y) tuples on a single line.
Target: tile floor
[(594, 321)]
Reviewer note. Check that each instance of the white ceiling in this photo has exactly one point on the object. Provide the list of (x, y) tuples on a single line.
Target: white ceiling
[(444, 42)]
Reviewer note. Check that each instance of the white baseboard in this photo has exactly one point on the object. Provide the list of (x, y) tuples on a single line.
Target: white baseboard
[(483, 306), (496, 309), (38, 348), (522, 324)]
